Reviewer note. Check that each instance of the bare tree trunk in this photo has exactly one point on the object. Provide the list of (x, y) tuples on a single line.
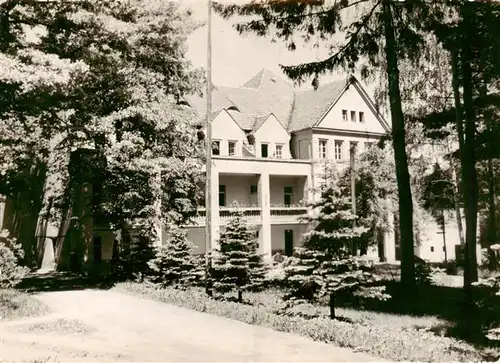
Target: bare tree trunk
[(332, 306), (401, 158), (492, 231), (468, 154), (459, 124)]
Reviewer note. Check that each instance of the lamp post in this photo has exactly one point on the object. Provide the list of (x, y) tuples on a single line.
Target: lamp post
[(208, 184)]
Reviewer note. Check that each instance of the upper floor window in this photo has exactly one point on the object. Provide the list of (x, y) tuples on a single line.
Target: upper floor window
[(231, 148), (361, 117), (222, 195), (322, 149), (253, 189), (264, 150), (344, 115), (216, 147), (338, 149), (353, 116), (279, 151)]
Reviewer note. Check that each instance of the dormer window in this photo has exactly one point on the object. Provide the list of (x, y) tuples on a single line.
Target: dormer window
[(233, 108)]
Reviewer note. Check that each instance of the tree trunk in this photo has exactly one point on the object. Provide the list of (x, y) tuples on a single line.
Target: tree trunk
[(468, 153), (460, 132), (332, 306), (445, 250), (492, 257), (401, 158), (240, 296)]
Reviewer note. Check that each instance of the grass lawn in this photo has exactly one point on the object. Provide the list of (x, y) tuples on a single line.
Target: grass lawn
[(17, 304), (388, 336)]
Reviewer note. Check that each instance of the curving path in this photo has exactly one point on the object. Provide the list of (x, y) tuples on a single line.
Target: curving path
[(106, 326)]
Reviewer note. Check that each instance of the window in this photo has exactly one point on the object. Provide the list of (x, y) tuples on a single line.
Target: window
[(253, 189), (353, 116), (222, 195), (231, 147), (322, 149), (344, 115), (279, 151), (338, 149), (361, 117), (354, 146), (215, 147), (432, 248), (288, 196), (264, 148)]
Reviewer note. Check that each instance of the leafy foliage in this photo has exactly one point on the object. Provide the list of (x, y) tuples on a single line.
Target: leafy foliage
[(105, 75), (11, 254), (173, 261), (132, 262)]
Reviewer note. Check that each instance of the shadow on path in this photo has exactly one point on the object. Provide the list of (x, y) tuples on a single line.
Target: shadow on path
[(61, 281)]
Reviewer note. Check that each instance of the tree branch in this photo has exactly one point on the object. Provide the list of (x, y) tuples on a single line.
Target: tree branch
[(320, 66)]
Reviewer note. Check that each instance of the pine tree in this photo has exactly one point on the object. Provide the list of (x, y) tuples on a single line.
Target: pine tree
[(300, 275), (327, 264), (257, 268), (174, 261), (237, 265)]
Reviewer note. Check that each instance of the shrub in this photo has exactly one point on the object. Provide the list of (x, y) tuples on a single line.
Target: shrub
[(423, 273), (174, 260), (11, 253), (132, 261), (488, 302)]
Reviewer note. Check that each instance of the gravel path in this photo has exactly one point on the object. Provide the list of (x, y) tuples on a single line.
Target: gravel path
[(105, 326)]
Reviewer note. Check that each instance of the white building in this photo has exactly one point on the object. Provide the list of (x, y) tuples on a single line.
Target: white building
[(269, 141)]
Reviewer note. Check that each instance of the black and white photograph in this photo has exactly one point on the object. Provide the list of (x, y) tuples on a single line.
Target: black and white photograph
[(249, 181)]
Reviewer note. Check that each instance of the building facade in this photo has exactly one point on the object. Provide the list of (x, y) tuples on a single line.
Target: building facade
[(270, 145)]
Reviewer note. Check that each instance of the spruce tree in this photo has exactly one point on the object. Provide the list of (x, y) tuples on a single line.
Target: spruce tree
[(257, 268), (174, 262), (327, 264), (237, 265)]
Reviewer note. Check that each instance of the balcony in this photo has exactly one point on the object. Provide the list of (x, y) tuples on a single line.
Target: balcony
[(287, 214), (252, 215)]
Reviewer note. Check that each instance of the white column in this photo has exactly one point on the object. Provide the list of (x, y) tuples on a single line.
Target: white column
[(214, 207), (265, 204), (3, 200), (389, 237)]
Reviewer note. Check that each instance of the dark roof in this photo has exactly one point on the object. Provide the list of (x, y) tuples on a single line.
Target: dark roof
[(310, 106), (266, 94)]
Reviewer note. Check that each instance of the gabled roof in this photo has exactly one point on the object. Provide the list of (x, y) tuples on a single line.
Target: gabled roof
[(310, 106), (266, 94)]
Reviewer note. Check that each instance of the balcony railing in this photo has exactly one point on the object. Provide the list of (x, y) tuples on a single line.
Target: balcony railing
[(251, 215), (285, 214), (279, 214)]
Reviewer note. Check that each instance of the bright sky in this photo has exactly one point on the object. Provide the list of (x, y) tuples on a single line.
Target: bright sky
[(235, 58)]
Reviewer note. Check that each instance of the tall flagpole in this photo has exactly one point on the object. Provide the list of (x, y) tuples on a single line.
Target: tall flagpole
[(208, 184)]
